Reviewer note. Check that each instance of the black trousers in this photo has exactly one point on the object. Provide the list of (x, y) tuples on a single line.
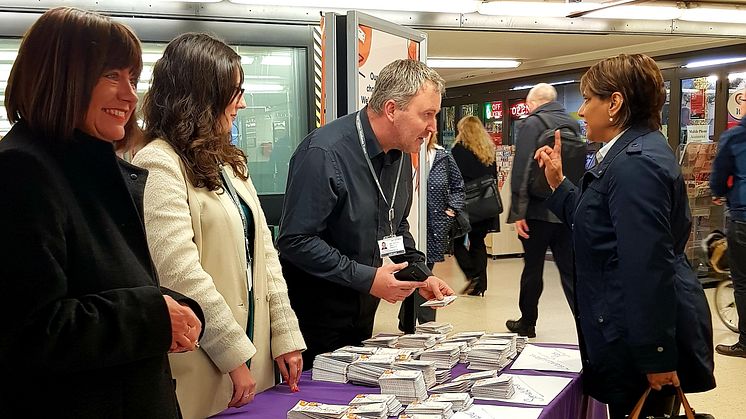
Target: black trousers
[(737, 260), (473, 260), (410, 311), (543, 235)]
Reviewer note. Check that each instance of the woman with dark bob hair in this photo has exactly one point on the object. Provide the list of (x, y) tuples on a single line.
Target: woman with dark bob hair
[(207, 231), (86, 326), (643, 319)]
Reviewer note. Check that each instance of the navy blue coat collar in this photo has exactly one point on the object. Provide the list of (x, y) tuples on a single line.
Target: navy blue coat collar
[(625, 141)]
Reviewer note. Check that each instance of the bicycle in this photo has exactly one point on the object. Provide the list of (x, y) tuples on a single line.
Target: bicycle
[(716, 247)]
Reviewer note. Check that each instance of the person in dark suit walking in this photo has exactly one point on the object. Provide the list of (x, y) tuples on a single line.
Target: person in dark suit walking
[(537, 227), (86, 327), (642, 318)]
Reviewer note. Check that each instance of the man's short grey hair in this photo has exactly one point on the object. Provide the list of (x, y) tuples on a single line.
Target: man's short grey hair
[(400, 81), (542, 93)]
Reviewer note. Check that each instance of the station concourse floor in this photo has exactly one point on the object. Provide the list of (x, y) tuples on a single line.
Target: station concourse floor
[(555, 324)]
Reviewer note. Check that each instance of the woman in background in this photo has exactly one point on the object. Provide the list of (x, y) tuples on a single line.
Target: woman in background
[(445, 198), (86, 328), (474, 154), (643, 317), (207, 231)]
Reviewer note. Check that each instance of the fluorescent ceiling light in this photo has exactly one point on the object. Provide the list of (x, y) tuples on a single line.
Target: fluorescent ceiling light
[(247, 59), (8, 55), (532, 8), (637, 12), (188, 1), (713, 14), (471, 63), (276, 60), (556, 83), (706, 63), (5, 71), (252, 88), (736, 76), (151, 57), (262, 77), (440, 6)]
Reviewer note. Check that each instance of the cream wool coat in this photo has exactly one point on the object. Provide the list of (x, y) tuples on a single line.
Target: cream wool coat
[(197, 243)]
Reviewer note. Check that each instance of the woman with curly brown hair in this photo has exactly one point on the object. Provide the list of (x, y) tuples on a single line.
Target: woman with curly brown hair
[(475, 156), (207, 232)]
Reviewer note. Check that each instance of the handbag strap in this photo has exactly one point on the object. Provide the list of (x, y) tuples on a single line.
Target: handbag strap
[(635, 414)]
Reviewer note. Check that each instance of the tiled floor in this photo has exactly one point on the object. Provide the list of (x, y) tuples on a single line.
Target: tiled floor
[(727, 401)]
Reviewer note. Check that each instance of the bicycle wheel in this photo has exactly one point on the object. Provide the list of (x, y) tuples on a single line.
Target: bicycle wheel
[(725, 303)]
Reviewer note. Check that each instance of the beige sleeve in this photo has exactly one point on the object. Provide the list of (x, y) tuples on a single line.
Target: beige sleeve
[(168, 225), (286, 335)]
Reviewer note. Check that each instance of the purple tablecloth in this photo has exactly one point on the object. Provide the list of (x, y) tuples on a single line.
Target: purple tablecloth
[(275, 402)]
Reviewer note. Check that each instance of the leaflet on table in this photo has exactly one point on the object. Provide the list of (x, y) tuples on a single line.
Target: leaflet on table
[(535, 390), (548, 359), (498, 412)]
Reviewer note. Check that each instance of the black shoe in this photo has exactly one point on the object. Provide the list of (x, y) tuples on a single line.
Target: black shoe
[(516, 326), (473, 284), (732, 350), (476, 291)]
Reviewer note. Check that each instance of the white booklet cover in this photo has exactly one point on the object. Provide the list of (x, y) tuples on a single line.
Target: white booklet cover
[(548, 359)]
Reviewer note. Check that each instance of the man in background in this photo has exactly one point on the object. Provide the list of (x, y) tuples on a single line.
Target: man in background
[(537, 227)]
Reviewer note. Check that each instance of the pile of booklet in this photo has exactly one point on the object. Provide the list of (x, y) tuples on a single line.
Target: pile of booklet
[(511, 338), (460, 401), (493, 388), (313, 410), (332, 366), (434, 327), (444, 409), (441, 376), (366, 370), (381, 341), (521, 342), (452, 387), (444, 355), (417, 340), (408, 386), (473, 377), (393, 406), (362, 350), (489, 355), (427, 368), (370, 411)]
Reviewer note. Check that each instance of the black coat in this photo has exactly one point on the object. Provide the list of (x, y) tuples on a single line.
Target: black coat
[(472, 168), (86, 328), (445, 190), (640, 307), (524, 206)]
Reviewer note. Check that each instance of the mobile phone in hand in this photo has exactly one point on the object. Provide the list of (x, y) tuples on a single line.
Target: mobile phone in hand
[(413, 272)]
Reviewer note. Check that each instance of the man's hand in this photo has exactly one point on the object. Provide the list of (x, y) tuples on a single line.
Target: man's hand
[(435, 287), (551, 160), (290, 365), (521, 227), (185, 326), (659, 379), (387, 287)]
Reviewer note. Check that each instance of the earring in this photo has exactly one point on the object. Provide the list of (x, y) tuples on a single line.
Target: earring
[(611, 119)]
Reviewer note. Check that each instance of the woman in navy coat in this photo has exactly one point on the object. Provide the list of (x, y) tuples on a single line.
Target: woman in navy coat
[(642, 317)]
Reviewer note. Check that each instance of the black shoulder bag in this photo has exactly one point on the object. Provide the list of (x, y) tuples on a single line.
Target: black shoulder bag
[(460, 225)]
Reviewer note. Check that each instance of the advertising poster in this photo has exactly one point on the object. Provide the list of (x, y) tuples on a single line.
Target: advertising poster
[(375, 50)]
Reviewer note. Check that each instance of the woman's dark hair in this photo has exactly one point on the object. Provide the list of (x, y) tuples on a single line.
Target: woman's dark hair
[(61, 58), (637, 78), (191, 86)]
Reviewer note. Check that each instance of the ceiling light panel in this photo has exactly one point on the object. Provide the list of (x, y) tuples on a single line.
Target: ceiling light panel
[(439, 6), (472, 63)]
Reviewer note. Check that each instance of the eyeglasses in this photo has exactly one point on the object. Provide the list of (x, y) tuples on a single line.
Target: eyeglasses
[(239, 93)]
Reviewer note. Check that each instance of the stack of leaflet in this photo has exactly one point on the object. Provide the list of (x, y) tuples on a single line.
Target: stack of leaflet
[(489, 355), (512, 338), (473, 377), (408, 386), (464, 355), (434, 327), (370, 411), (381, 341), (419, 416), (452, 387), (493, 388), (400, 354), (427, 368), (393, 405), (313, 410), (461, 401), (417, 340), (443, 409), (466, 335), (332, 366), (362, 350), (444, 355), (520, 343), (441, 376), (366, 370)]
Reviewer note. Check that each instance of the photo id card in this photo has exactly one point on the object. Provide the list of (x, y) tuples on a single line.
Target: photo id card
[(391, 246)]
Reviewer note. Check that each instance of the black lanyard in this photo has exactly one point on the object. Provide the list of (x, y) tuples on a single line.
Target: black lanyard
[(360, 134), (236, 200)]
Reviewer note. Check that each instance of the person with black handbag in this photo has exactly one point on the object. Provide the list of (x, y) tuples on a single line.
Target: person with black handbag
[(474, 154), (445, 214)]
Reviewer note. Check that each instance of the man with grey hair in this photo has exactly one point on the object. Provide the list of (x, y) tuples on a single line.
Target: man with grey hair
[(537, 227), (346, 204)]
